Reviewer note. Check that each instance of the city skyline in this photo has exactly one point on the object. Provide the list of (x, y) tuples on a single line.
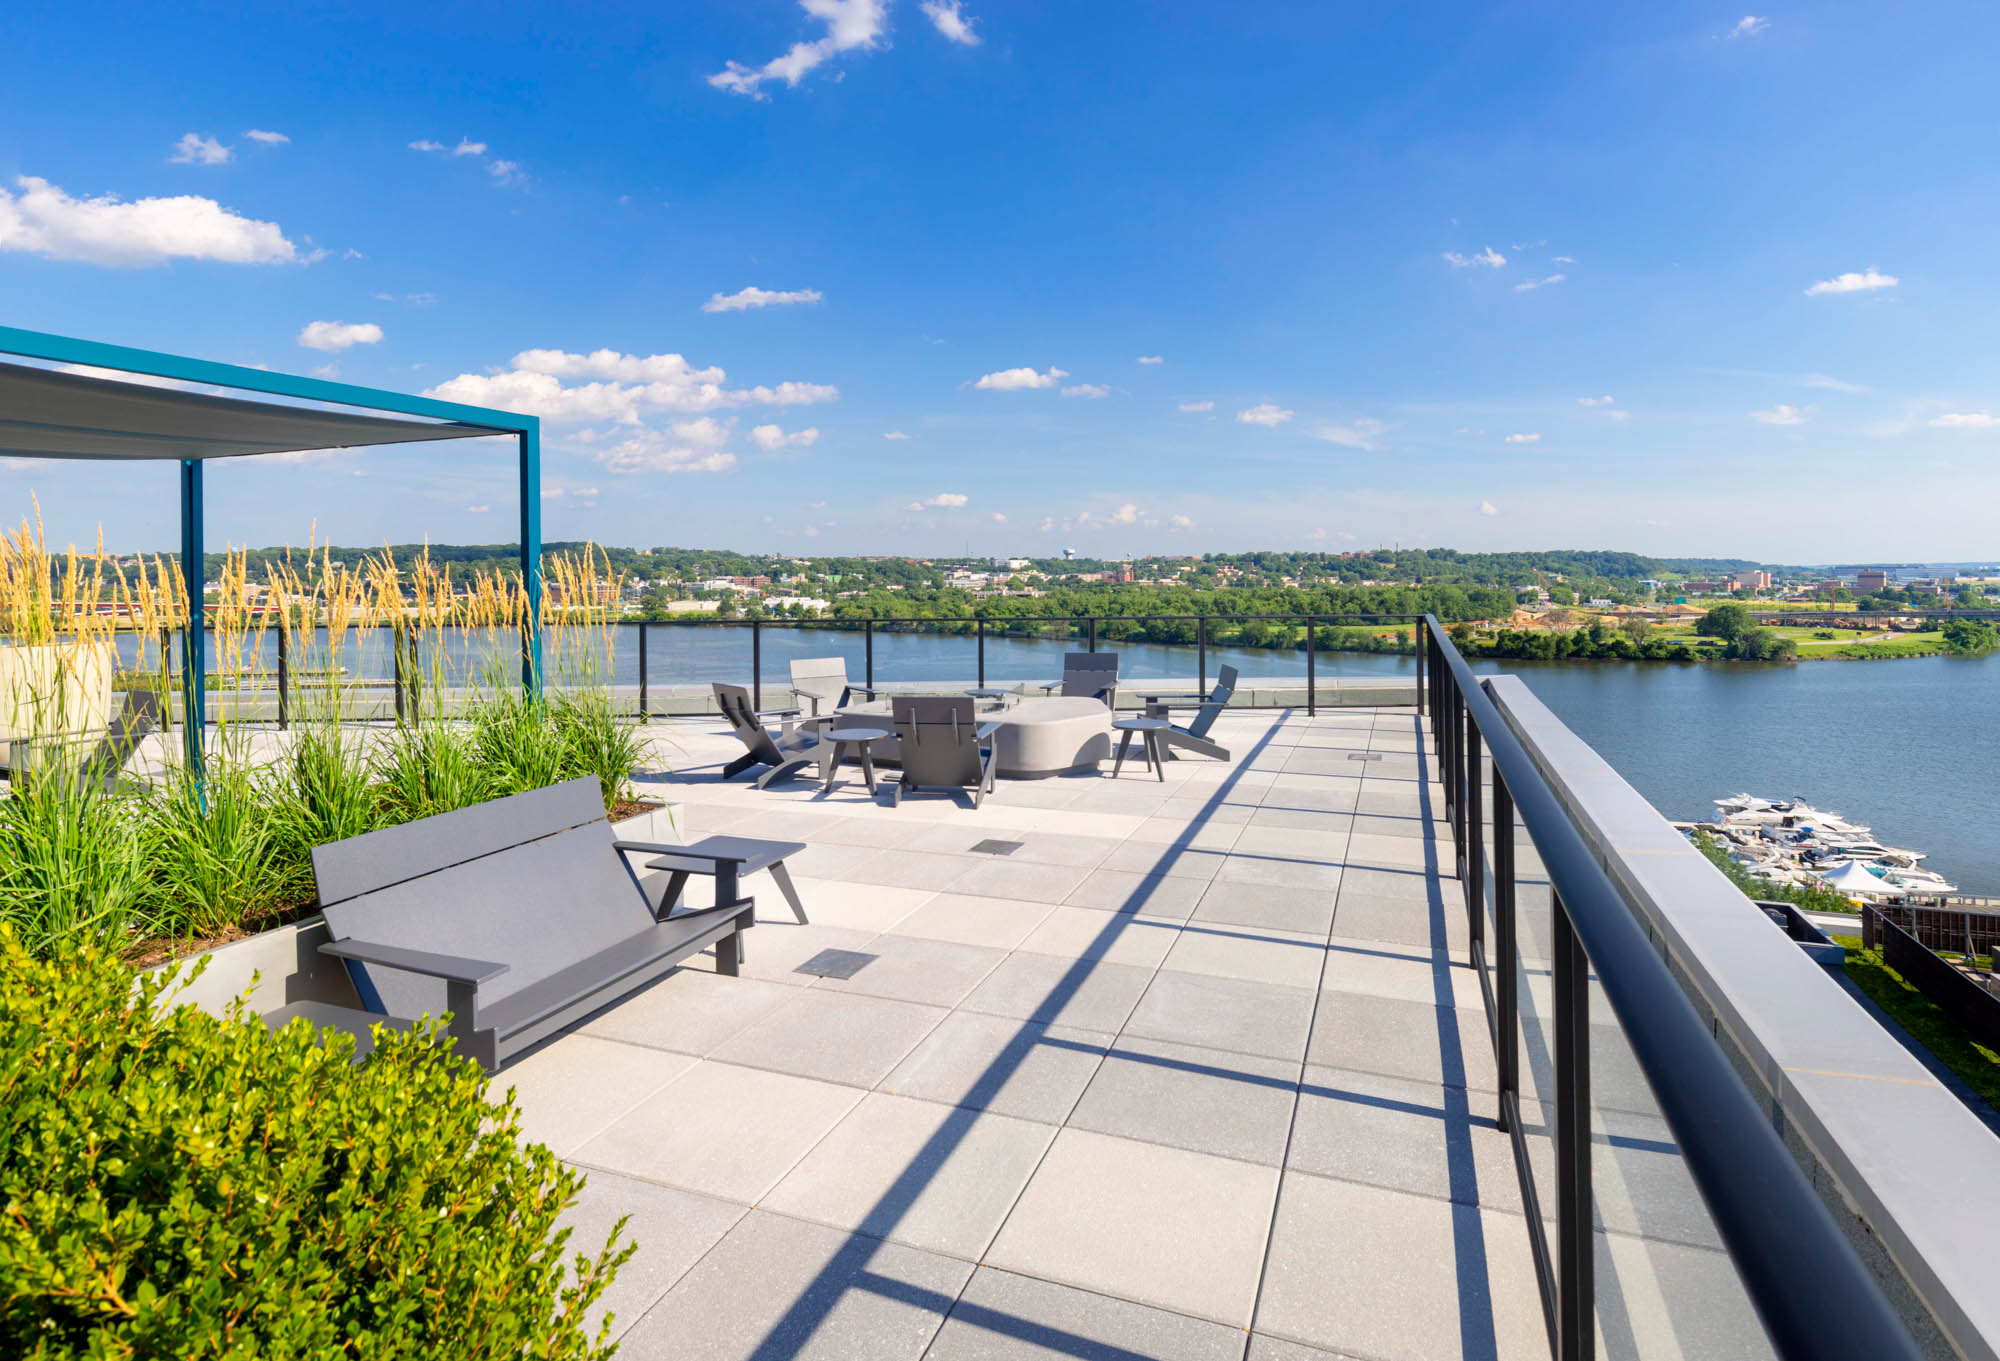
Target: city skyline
[(936, 278)]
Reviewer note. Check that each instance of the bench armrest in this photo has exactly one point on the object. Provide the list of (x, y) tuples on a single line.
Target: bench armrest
[(666, 848), (451, 968)]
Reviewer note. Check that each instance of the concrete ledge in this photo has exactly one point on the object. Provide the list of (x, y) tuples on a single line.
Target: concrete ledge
[(1911, 1172)]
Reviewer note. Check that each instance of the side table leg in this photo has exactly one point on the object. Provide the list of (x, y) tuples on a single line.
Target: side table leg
[(1124, 745)]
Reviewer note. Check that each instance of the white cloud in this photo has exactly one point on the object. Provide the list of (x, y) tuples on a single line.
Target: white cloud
[(1047, 525), (1152, 359), (504, 172), (467, 147), (1127, 514), (894, 434), (1087, 390), (998, 518), (1966, 420), (1781, 414), (1264, 413), (945, 500), (267, 137), (1181, 522), (1749, 26), (1020, 380), (1562, 259), (478, 510), (770, 438), (690, 449), (849, 24), (43, 220), (606, 385), (1529, 285), (1866, 281), (338, 335), (425, 144), (1197, 406), (947, 18), (1361, 434), (1487, 257), (1488, 508), (1821, 380), (1523, 439), (746, 298), (194, 149), (1596, 401)]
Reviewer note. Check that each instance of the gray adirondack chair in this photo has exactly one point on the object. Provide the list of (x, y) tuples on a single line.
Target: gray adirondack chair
[(821, 683), (1193, 734), (943, 746), (1092, 674), (785, 753), (518, 916)]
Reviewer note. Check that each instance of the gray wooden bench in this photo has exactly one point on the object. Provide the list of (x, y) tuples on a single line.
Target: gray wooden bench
[(519, 917)]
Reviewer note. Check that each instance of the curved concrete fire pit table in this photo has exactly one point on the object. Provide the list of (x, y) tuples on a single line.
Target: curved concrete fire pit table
[(1037, 738)]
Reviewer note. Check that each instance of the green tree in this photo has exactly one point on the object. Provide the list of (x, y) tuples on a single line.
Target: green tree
[(1763, 645), (1724, 621), (1635, 628), (1970, 637)]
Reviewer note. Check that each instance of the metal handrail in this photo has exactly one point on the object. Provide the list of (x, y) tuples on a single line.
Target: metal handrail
[(1816, 1299)]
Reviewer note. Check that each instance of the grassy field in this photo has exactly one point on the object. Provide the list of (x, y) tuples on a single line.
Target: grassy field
[(1975, 1063), (1845, 643)]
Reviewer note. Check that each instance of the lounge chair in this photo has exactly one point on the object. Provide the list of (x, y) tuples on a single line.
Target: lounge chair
[(786, 753), (518, 916), (943, 746), (1194, 733), (1090, 674), (821, 683)]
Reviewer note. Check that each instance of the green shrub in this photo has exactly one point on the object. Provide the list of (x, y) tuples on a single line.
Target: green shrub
[(518, 743), (208, 851), (596, 743), (432, 769), (179, 1185), (70, 866)]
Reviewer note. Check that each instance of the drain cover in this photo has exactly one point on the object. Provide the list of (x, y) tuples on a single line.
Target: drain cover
[(1364, 755), (836, 963), (998, 847)]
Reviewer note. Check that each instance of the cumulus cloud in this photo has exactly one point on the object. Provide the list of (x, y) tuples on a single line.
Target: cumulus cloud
[(1781, 414), (1151, 359), (1361, 434), (944, 500), (1197, 406), (1563, 259), (1523, 439), (478, 510), (1265, 414), (1487, 258), (1596, 401), (743, 299), (606, 385), (1966, 420), (43, 220), (338, 335), (684, 447), (1181, 522), (1865, 281), (771, 438), (268, 138), (1020, 380), (947, 16), (504, 172), (894, 434), (1087, 390), (998, 518), (1749, 26), (1488, 508), (850, 24), (1529, 285), (194, 149)]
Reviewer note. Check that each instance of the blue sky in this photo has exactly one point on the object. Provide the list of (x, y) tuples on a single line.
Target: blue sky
[(1674, 278)]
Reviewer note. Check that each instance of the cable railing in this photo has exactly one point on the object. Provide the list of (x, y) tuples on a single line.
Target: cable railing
[(1815, 1298)]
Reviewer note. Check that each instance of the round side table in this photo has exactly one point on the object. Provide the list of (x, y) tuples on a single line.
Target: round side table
[(851, 744), (1149, 730)]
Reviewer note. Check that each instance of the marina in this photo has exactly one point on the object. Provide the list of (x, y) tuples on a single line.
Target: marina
[(1791, 844)]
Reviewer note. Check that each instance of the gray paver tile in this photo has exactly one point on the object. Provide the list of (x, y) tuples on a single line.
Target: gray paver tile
[(692, 1011), (1205, 1100), (854, 907), (1088, 994), (936, 1177), (1003, 1316), (1279, 871), (1398, 922), (722, 1130), (1309, 911), (1413, 1040), (1087, 933), (571, 1088), (1160, 858), (1161, 1226), (1225, 1013), (1256, 954), (975, 919), (781, 1287), (1264, 1347), (1408, 1136), (774, 950), (1155, 895), (911, 869), (671, 1229), (997, 1063), (1021, 880), (936, 973), (834, 1036)]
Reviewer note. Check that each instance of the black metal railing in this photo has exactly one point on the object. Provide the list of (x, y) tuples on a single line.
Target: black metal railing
[(1030, 626), (1813, 1294)]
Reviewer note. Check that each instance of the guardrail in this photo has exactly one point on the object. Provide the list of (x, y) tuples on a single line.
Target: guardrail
[(1815, 1298)]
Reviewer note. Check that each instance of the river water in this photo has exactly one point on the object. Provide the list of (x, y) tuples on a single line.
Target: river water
[(1910, 746)]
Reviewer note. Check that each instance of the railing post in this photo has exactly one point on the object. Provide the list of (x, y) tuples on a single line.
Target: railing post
[(982, 654), (757, 664), (1576, 1338), (1090, 626), (284, 675), (869, 668), (1422, 638), (396, 673), (1312, 667), (1506, 1022), (1475, 831), (645, 709), (1201, 652)]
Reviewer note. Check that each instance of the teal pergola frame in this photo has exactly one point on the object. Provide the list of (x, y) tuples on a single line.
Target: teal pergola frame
[(153, 363)]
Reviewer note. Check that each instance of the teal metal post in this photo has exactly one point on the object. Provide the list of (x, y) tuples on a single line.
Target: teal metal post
[(531, 559), (194, 640)]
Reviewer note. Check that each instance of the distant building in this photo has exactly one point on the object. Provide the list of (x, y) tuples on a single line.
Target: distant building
[(1869, 580), (1828, 588), (693, 606)]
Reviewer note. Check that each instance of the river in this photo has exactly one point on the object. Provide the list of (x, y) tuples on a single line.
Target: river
[(1909, 746)]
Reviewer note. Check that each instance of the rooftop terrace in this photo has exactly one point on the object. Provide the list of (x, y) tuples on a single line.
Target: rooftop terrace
[(1198, 1069)]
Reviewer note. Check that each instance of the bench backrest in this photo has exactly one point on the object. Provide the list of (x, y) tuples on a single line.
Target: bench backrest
[(1204, 718), (938, 740), (530, 881), (1090, 674)]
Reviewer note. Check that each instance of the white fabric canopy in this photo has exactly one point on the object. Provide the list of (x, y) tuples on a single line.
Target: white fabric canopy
[(1853, 877)]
